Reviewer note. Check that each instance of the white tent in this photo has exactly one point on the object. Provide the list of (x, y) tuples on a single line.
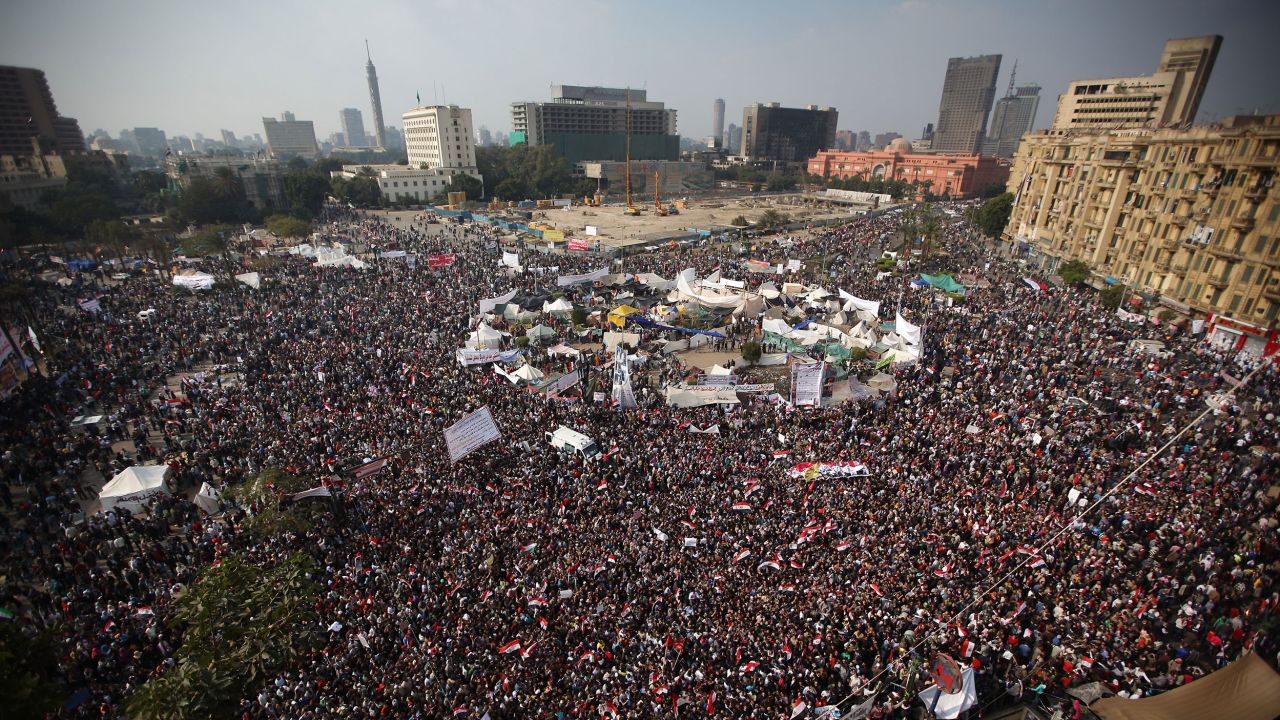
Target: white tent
[(528, 373), (563, 349), (769, 290), (514, 312), (208, 499), (252, 279), (484, 338), (656, 282), (538, 333), (718, 370), (561, 308), (131, 486)]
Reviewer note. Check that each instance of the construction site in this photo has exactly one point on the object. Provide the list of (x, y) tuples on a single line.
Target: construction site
[(613, 226)]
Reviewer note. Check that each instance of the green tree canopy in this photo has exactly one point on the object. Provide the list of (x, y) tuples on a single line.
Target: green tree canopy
[(288, 226), (1073, 272), (464, 184), (216, 199), (994, 214), (305, 191), (361, 191)]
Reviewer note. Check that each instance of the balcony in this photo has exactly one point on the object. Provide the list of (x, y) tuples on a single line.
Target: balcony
[(1217, 282), (1209, 190), (1272, 293), (1243, 224), (1179, 268), (1179, 220), (1161, 265), (1258, 192), (1170, 243), (1226, 253)]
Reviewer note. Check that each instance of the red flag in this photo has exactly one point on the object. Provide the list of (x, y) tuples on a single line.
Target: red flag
[(510, 647)]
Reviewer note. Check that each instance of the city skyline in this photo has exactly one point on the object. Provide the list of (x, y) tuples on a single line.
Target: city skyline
[(315, 65)]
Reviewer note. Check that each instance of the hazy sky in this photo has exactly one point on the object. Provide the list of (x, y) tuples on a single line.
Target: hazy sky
[(189, 67)]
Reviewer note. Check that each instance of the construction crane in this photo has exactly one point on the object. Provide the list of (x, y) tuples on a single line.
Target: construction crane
[(630, 209), (657, 194)]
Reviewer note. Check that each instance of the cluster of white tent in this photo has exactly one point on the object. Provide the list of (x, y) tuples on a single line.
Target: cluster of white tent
[(328, 256)]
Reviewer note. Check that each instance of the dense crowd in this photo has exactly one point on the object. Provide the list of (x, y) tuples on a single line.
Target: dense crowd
[(436, 568)]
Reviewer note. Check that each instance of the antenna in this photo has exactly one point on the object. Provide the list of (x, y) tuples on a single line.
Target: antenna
[(1012, 74), (366, 50)]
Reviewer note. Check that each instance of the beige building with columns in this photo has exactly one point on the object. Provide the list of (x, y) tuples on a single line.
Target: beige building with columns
[(1190, 217)]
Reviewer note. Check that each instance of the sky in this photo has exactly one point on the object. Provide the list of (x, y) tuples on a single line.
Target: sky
[(189, 67)]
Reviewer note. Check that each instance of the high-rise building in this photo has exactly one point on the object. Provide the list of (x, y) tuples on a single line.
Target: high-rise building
[(967, 94), (375, 99), (287, 116), (1014, 116), (1169, 97), (1189, 217), (590, 123), (883, 139), (845, 139), (151, 141), (927, 133), (733, 138), (290, 137), (440, 136), (789, 135), (228, 138), (27, 111), (352, 127), (717, 122)]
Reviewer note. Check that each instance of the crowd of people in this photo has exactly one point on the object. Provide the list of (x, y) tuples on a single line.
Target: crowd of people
[(526, 582)]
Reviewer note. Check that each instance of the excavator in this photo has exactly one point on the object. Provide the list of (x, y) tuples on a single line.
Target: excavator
[(657, 195)]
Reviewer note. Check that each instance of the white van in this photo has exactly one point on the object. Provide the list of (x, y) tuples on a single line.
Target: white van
[(572, 441)]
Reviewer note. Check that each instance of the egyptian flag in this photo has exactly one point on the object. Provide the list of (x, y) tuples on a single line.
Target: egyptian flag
[(752, 665), (460, 710), (844, 546), (513, 646), (608, 708), (527, 651), (786, 649), (741, 555), (966, 648), (877, 589), (799, 707), (1147, 489), (529, 548), (1037, 562), (943, 571), (588, 655), (771, 564), (537, 602), (742, 506)]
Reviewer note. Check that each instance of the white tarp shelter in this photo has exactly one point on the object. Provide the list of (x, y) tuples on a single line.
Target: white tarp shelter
[(252, 279), (539, 333), (528, 373), (561, 308), (132, 486), (484, 338)]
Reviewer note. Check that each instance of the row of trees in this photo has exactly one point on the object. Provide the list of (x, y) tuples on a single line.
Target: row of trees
[(521, 172)]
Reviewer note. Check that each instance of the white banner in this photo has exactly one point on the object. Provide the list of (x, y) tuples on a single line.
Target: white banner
[(908, 332), (510, 259), (488, 304), (480, 357), (806, 383), (622, 394), (563, 280), (198, 281), (92, 306), (471, 432), (860, 304), (251, 279), (313, 492), (1129, 317), (719, 379), (793, 266), (564, 382)]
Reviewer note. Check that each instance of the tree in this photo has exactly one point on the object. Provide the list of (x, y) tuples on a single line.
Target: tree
[(1112, 296), (751, 351), (994, 214), (211, 240), (74, 207), (462, 183), (772, 218), (288, 226), (740, 221), (244, 624), (305, 191), (1073, 272), (216, 199), (28, 668), (779, 181)]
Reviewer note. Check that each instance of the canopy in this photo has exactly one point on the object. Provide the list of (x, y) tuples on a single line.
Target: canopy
[(540, 332), (1247, 689), (484, 338), (563, 349), (131, 486), (943, 282), (251, 279), (677, 397), (528, 373), (560, 308), (618, 316), (882, 382), (718, 370)]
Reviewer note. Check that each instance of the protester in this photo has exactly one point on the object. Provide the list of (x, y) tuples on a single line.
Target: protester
[(1021, 397)]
